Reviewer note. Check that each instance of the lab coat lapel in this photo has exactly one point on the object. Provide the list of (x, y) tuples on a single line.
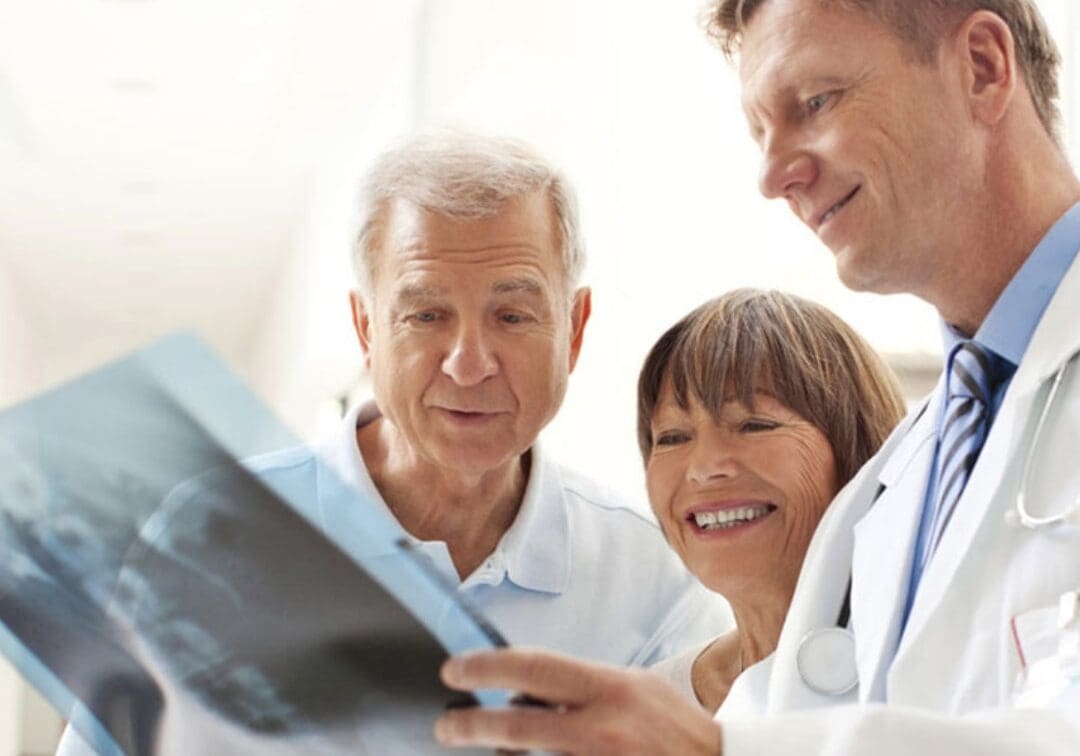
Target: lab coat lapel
[(884, 544), (819, 593), (1054, 341), (824, 578)]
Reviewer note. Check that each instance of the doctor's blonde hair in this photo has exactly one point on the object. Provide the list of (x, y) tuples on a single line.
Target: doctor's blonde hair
[(797, 351), (921, 25)]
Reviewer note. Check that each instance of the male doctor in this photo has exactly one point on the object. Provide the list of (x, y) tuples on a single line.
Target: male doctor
[(916, 138)]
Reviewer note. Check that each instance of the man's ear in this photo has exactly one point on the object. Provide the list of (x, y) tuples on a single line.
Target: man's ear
[(989, 56), (580, 310), (361, 319)]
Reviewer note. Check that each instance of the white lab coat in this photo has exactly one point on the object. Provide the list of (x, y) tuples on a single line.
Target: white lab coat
[(947, 688)]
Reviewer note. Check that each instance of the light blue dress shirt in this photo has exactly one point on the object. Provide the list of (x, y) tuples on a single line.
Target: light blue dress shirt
[(1006, 331)]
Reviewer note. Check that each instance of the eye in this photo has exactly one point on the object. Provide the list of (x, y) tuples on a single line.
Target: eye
[(816, 103), (670, 438), (755, 425), (757, 134), (425, 316), (512, 317)]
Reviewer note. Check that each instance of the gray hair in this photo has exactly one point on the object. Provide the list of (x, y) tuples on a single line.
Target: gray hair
[(465, 177)]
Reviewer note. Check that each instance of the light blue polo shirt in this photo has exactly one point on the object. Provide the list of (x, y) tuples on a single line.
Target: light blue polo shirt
[(579, 571)]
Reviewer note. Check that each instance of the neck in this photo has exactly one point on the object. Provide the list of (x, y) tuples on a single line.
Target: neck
[(1024, 193), (756, 634), (758, 629), (469, 512)]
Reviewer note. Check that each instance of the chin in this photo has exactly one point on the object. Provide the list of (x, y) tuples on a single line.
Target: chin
[(473, 461), (715, 580), (857, 271)]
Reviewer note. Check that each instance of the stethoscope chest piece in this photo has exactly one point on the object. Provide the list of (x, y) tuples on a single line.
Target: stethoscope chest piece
[(826, 661)]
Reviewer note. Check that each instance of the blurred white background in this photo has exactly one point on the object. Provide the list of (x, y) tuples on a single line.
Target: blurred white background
[(172, 164)]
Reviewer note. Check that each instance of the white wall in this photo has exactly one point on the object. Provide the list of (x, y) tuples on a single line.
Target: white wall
[(12, 342), (304, 353), (10, 709)]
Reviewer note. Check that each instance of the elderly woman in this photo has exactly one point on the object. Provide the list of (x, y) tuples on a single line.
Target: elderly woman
[(753, 411)]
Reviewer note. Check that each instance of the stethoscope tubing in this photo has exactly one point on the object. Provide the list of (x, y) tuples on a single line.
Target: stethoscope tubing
[(1024, 517)]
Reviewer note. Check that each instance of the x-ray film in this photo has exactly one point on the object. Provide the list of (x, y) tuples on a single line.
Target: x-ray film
[(170, 590)]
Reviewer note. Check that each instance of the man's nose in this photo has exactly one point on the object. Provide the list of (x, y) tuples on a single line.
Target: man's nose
[(785, 169), (471, 359)]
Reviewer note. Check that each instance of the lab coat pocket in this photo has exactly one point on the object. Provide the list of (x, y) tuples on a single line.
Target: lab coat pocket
[(1047, 640)]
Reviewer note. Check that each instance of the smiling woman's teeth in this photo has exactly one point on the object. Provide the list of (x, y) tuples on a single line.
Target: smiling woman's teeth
[(729, 517)]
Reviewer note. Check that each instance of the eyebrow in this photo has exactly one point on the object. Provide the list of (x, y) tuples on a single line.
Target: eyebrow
[(410, 292), (519, 284)]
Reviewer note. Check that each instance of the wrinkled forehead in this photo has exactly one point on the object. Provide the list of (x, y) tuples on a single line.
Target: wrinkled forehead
[(521, 234), (528, 218), (787, 41)]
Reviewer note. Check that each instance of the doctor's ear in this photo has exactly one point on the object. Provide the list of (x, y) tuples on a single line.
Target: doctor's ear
[(988, 52), (361, 318)]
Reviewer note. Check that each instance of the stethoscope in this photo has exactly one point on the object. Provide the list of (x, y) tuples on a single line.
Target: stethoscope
[(825, 658), (1020, 515)]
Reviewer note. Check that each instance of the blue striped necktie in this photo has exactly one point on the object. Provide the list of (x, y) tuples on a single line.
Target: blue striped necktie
[(974, 373)]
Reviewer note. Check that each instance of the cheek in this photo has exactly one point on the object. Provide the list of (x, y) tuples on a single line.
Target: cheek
[(660, 486), (409, 351), (537, 374), (814, 481), (403, 368)]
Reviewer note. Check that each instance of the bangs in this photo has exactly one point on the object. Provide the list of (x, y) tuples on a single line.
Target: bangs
[(750, 341), (717, 359)]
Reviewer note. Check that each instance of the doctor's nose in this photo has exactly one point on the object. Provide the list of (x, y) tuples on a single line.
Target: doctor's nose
[(784, 171), (470, 360)]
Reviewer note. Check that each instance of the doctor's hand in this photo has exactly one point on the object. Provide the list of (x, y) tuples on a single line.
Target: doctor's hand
[(594, 709)]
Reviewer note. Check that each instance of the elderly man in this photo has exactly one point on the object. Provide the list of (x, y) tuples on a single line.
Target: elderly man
[(470, 320), (938, 609)]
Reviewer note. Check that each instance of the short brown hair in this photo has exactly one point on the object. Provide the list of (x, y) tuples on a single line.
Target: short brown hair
[(922, 24), (798, 351)]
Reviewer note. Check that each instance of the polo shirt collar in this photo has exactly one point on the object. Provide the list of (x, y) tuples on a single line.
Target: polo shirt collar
[(535, 550), (537, 546), (341, 475)]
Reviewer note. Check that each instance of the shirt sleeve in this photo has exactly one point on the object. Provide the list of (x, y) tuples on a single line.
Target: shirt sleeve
[(698, 617), (678, 670)]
